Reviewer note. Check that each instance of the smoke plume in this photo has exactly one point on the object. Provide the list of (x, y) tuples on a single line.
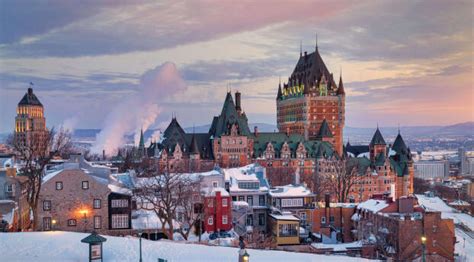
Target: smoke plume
[(139, 111)]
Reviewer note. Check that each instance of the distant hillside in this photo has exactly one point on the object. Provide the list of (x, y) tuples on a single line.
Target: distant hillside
[(461, 129)]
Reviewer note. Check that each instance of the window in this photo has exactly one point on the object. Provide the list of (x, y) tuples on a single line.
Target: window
[(292, 202), (331, 219), (97, 203), (210, 203), (224, 202), (241, 198), (46, 223), (118, 203), (287, 230), (119, 221), (47, 205), (59, 185), (250, 200), (261, 219), (210, 221), (323, 220), (215, 184), (71, 222), (97, 222), (261, 200), (9, 188), (303, 216), (250, 220), (224, 219), (85, 184)]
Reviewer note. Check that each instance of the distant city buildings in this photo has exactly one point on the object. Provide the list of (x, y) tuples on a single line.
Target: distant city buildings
[(426, 169)]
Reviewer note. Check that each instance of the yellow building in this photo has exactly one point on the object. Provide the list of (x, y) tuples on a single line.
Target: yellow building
[(285, 229)]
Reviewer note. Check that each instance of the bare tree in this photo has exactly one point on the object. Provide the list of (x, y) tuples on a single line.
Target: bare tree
[(186, 216), (341, 178), (167, 194), (34, 154)]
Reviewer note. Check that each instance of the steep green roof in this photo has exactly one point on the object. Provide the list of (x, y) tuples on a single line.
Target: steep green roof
[(399, 145), (228, 117), (380, 159), (324, 130), (377, 139)]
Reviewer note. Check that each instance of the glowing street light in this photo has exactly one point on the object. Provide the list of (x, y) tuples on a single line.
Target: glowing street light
[(423, 246), (53, 222)]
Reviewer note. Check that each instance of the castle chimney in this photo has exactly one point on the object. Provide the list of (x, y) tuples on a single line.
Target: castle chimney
[(30, 91), (327, 200), (288, 131), (103, 154), (255, 130), (237, 102)]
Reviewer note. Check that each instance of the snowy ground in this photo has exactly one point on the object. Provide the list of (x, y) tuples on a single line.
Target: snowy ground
[(67, 246)]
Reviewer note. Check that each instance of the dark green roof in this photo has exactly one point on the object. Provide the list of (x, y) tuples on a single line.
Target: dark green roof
[(310, 69), (324, 130), (93, 239), (377, 139), (399, 145), (30, 99), (194, 145), (380, 159), (314, 149), (229, 116)]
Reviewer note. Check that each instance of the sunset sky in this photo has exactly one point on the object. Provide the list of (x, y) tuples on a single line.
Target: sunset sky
[(403, 62)]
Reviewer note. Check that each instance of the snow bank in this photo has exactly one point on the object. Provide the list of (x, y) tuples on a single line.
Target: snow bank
[(66, 246)]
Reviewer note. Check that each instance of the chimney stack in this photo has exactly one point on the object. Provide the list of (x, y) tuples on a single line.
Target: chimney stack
[(255, 131), (237, 102), (103, 154)]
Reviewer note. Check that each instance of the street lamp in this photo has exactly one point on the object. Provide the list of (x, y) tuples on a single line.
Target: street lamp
[(140, 232), (53, 222), (245, 256), (423, 246), (84, 215)]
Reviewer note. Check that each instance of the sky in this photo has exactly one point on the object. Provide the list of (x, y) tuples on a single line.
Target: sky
[(402, 62)]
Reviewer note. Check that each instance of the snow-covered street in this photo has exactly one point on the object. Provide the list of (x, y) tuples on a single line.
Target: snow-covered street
[(67, 246)]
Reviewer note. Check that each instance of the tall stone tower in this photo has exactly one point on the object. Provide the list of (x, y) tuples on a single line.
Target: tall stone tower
[(30, 123), (309, 98)]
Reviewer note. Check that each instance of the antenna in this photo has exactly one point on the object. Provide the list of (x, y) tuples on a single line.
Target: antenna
[(301, 47), (316, 40)]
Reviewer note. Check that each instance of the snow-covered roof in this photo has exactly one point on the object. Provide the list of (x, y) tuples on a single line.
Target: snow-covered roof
[(240, 204), (213, 191), (290, 191), (373, 205), (120, 190), (437, 204), (51, 175), (285, 217), (355, 217), (338, 247), (459, 203)]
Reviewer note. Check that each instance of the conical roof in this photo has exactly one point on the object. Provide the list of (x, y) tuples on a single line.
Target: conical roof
[(340, 89), (141, 144), (399, 145), (324, 130), (228, 117), (377, 139), (194, 146)]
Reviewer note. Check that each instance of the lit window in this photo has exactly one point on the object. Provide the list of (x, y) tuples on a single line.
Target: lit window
[(59, 185), (85, 184), (210, 221), (120, 221), (224, 219)]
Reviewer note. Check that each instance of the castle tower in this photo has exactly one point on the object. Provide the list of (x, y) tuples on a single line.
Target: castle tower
[(377, 145), (403, 166), (30, 123), (309, 98)]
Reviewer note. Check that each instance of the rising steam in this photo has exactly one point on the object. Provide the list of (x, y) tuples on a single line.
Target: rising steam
[(140, 110)]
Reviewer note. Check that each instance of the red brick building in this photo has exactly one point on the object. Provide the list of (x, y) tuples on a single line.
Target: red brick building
[(396, 229), (333, 220), (217, 211)]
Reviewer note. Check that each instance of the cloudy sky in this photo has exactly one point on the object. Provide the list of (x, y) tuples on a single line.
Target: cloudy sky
[(407, 62)]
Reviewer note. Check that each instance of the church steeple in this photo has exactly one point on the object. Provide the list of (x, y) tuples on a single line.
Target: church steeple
[(279, 94), (141, 144)]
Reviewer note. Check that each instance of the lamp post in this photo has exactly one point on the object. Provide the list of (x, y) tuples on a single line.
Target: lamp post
[(140, 232), (243, 255), (423, 246)]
